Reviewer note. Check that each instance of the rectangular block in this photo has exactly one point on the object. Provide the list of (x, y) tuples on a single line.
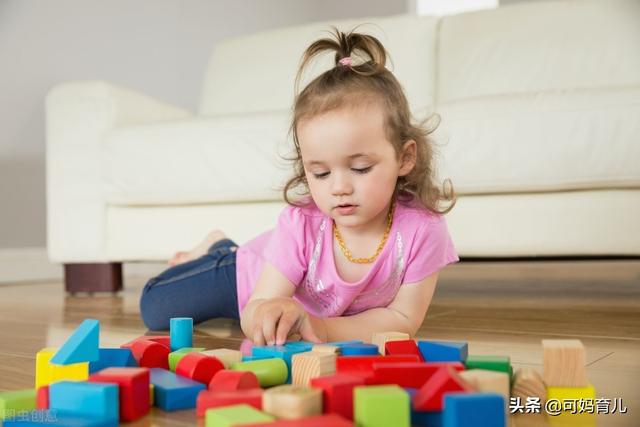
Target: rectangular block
[(133, 390), (12, 402), (381, 338), (226, 356), (173, 392), (235, 415), (474, 409), (46, 372), (85, 399), (382, 406), (444, 351), (564, 363), (306, 366), (113, 358)]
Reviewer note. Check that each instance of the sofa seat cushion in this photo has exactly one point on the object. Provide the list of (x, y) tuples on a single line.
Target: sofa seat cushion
[(232, 158), (541, 141)]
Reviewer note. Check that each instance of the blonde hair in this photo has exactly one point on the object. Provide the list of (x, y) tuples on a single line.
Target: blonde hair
[(354, 84)]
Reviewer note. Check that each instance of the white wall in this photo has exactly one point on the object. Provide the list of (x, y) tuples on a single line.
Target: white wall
[(159, 47)]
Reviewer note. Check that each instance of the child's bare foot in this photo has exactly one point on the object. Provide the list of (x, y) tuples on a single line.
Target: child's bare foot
[(200, 249)]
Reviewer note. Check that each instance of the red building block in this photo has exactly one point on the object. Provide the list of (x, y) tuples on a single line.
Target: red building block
[(365, 363), (42, 397), (225, 380), (332, 420), (133, 390), (429, 397), (199, 367), (403, 347), (409, 374), (337, 392), (215, 399), (165, 340), (150, 354)]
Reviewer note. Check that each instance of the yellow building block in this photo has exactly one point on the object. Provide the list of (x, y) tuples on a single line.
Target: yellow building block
[(565, 393), (47, 373)]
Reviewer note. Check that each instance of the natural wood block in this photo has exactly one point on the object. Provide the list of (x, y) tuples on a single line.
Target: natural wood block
[(564, 363), (527, 382), (483, 380), (326, 348), (292, 401), (227, 356), (306, 366), (381, 338)]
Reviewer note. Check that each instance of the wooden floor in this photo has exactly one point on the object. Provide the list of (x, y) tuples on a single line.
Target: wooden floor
[(498, 308)]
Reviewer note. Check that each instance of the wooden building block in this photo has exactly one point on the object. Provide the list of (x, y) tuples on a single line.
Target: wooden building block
[(363, 349), (113, 358), (14, 402), (399, 347), (42, 397), (474, 409), (173, 392), (326, 420), (270, 372), (150, 354), (176, 356), (81, 346), (306, 366), (337, 392), (326, 348), (85, 399), (292, 401), (490, 363), (409, 374), (216, 399), (199, 367), (226, 356), (527, 382), (429, 397), (483, 380), (133, 390), (384, 405), (235, 415), (381, 338), (180, 332), (444, 351), (46, 373), (564, 363), (226, 380)]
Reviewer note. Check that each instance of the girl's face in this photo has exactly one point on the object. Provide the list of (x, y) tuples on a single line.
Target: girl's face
[(350, 165)]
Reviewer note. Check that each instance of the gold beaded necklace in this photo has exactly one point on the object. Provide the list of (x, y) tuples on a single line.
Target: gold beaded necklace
[(347, 253)]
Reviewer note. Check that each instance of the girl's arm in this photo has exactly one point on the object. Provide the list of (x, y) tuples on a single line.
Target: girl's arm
[(405, 314)]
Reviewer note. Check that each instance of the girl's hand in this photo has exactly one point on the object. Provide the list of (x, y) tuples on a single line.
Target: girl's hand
[(277, 318)]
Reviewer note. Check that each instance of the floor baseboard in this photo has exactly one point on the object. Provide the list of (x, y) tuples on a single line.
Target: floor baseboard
[(19, 265)]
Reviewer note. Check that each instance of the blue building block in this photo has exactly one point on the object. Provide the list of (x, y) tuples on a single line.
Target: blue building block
[(252, 358), (181, 332), (443, 351), (173, 392), (423, 418), (341, 344), (81, 346), (56, 418), (474, 409), (112, 358), (299, 345), (359, 350), (85, 399), (279, 351)]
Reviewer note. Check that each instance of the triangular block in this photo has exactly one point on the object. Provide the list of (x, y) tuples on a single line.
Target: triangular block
[(81, 346)]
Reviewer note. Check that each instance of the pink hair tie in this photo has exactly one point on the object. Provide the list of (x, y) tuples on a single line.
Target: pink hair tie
[(346, 61)]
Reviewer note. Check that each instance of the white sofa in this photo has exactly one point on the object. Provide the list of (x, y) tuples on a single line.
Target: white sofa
[(540, 133)]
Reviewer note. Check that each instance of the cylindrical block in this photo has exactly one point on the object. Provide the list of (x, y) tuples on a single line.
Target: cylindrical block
[(270, 372), (181, 332)]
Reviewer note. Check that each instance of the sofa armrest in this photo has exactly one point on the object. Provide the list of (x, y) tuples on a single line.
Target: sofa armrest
[(78, 115)]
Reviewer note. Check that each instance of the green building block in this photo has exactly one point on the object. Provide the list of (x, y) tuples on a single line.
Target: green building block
[(387, 405), (490, 363), (270, 372), (175, 356), (12, 403), (228, 416)]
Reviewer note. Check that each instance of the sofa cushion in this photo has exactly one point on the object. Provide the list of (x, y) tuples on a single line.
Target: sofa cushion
[(256, 72), (224, 159)]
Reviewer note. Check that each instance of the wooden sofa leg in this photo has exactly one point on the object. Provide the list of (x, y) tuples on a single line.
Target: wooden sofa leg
[(93, 277)]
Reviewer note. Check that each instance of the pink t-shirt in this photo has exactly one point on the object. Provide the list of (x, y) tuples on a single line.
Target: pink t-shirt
[(301, 248)]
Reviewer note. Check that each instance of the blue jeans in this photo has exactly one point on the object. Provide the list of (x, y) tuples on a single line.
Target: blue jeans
[(201, 289)]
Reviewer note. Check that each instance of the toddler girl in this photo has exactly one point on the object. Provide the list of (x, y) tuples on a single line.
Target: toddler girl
[(359, 249)]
